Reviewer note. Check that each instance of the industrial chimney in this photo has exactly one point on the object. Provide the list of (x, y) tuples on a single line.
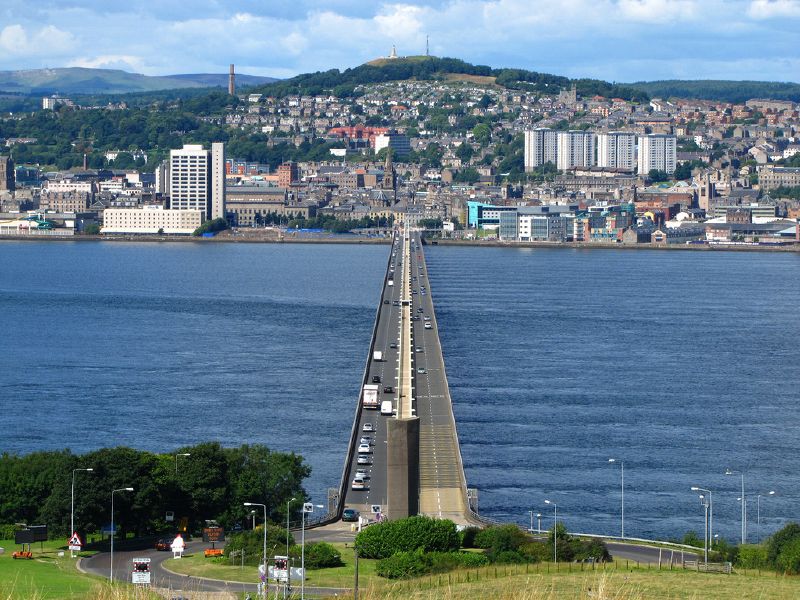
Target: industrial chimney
[(232, 82)]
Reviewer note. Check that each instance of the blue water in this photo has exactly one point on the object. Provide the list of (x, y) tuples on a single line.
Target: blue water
[(682, 364)]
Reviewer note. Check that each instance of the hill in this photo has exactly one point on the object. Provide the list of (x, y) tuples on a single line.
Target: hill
[(79, 80), (431, 68), (722, 90)]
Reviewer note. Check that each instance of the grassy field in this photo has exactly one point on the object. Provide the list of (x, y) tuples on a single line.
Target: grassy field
[(531, 582), (48, 575)]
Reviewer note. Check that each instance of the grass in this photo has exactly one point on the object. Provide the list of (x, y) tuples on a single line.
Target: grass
[(47, 576)]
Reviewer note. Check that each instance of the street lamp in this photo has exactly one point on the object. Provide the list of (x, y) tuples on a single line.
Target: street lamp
[(176, 460), (253, 515), (705, 502), (264, 506), (622, 494), (710, 509), (308, 507), (743, 500), (72, 504), (555, 527), (744, 513), (758, 512), (539, 524), (114, 529), (530, 512)]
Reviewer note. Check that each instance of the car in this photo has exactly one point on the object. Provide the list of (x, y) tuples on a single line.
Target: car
[(359, 483), (413, 291), (163, 545), (388, 389), (420, 309), (376, 379), (418, 349), (396, 303), (368, 427), (393, 346), (362, 473), (415, 318), (365, 440), (364, 459), (364, 448), (426, 318), (386, 302), (428, 325), (350, 515), (421, 371)]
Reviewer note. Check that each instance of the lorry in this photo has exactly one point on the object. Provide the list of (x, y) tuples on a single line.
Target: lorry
[(377, 356), (369, 396)]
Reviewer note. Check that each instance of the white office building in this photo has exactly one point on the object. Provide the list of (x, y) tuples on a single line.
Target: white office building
[(575, 149), (616, 150), (197, 179), (541, 147), (151, 220), (657, 151)]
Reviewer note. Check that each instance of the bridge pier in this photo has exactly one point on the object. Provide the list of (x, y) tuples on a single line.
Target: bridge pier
[(402, 472)]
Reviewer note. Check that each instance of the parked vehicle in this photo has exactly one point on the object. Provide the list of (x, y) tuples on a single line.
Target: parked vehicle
[(350, 515), (364, 448)]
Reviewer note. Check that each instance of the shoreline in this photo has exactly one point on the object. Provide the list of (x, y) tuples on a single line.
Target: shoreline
[(230, 239)]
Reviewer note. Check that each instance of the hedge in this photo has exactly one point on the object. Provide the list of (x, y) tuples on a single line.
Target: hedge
[(382, 540)]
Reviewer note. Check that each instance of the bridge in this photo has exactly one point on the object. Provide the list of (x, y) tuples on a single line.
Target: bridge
[(404, 454)]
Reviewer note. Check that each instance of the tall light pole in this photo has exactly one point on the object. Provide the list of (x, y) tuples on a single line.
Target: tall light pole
[(114, 530), (176, 460), (711, 510), (72, 504), (253, 515), (308, 507), (539, 524), (622, 495), (264, 506), (555, 529), (744, 509), (704, 501), (758, 513), (531, 514)]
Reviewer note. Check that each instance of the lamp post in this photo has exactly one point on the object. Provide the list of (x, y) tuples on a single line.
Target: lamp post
[(308, 507), (758, 513), (114, 530), (253, 516), (555, 529), (622, 495), (710, 509), (705, 502), (530, 512), (743, 500), (744, 513), (72, 504), (288, 567), (539, 519), (264, 506), (176, 460)]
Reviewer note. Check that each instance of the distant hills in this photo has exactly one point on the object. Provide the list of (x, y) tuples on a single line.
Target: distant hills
[(722, 90), (79, 80)]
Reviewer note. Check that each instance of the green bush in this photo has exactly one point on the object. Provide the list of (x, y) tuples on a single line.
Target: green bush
[(382, 540), (501, 538), (7, 531), (447, 561), (321, 555), (593, 548), (780, 539), (506, 557), (403, 565), (212, 226), (753, 557), (468, 537), (789, 557), (535, 552), (253, 543)]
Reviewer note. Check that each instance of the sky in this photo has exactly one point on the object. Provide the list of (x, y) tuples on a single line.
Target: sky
[(616, 40)]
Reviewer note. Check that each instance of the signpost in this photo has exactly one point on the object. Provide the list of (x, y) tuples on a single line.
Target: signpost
[(75, 544), (141, 571)]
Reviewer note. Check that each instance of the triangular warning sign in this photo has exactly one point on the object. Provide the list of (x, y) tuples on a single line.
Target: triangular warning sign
[(75, 540)]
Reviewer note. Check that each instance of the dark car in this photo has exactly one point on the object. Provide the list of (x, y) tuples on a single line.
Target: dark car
[(388, 390), (163, 545), (350, 515), (376, 379)]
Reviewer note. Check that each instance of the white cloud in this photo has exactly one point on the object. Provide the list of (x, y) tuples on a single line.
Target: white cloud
[(15, 40), (124, 62), (771, 9), (656, 11)]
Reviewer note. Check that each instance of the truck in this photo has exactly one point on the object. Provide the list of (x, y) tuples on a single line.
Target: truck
[(369, 396), (377, 356)]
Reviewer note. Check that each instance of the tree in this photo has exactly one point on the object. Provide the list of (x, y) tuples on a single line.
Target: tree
[(657, 175), (482, 133)]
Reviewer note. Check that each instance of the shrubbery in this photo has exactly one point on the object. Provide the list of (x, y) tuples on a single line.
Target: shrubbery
[(783, 549), (319, 555), (403, 565), (253, 543), (407, 535), (753, 557), (211, 226)]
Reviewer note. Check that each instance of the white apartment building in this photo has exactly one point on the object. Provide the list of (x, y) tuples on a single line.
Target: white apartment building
[(65, 187), (657, 151), (575, 149), (541, 147), (152, 220), (197, 179), (616, 150)]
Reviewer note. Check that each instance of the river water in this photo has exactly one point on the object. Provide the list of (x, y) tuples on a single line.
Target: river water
[(680, 364)]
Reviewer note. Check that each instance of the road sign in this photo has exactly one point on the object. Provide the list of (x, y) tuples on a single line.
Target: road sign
[(141, 571), (213, 534), (75, 544), (376, 509), (308, 507), (280, 571)]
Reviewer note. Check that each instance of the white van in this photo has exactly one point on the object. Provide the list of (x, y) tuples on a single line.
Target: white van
[(386, 408)]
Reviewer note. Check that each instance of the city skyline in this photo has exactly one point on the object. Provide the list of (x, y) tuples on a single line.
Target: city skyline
[(617, 40)]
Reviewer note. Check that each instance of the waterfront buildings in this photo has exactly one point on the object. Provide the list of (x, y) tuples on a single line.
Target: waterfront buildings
[(541, 147), (7, 179), (152, 220), (657, 151), (197, 179), (575, 149)]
